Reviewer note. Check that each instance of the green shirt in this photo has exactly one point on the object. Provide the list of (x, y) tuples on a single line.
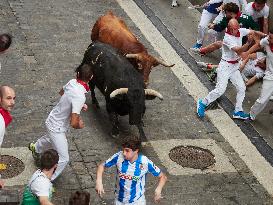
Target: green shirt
[(244, 20)]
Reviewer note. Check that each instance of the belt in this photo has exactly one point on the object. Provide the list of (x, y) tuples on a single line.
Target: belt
[(232, 62)]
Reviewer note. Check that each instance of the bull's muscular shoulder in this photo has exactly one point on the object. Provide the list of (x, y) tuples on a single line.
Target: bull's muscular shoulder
[(112, 30)]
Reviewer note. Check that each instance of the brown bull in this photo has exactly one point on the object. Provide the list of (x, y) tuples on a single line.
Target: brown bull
[(112, 30)]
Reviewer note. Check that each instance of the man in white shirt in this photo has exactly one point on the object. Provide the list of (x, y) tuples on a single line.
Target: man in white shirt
[(65, 113), (259, 11), (229, 70), (7, 102), (39, 188), (267, 88)]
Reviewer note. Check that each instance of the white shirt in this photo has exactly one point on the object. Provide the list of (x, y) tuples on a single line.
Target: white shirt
[(268, 75), (40, 185), (256, 14), (230, 42), (131, 179), (2, 129), (71, 101), (251, 67)]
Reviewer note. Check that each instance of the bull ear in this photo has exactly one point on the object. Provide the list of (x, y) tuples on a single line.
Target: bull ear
[(152, 94)]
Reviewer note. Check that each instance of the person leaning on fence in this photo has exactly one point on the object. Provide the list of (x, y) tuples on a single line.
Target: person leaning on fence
[(39, 188)]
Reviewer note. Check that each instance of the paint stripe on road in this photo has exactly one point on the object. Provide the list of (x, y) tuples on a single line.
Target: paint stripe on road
[(260, 168)]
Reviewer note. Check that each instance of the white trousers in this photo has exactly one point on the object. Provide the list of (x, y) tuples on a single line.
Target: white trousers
[(266, 93), (140, 201), (206, 18), (57, 141), (227, 71)]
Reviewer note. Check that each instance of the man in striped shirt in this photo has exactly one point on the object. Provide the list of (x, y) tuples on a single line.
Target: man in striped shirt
[(132, 168)]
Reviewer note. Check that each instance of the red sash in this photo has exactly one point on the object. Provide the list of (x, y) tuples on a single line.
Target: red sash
[(6, 115), (84, 84), (254, 6), (237, 34)]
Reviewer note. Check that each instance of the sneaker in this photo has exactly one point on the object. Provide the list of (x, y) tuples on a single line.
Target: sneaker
[(202, 64), (205, 66), (201, 108), (36, 156), (240, 115), (197, 46), (174, 3), (251, 117)]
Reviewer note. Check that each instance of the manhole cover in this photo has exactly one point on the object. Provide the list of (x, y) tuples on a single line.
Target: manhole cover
[(193, 157), (10, 166)]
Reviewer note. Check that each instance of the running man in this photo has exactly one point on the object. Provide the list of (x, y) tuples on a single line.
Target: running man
[(66, 112), (132, 168)]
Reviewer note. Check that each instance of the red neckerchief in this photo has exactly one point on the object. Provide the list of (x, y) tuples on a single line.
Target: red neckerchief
[(84, 84), (6, 115), (254, 6), (237, 34), (271, 47), (238, 15)]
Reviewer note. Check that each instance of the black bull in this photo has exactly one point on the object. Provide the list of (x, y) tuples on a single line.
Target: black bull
[(120, 83)]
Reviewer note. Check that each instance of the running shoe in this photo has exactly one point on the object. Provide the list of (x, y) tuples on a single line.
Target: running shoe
[(174, 3), (251, 117), (241, 115), (36, 156), (201, 108), (205, 66)]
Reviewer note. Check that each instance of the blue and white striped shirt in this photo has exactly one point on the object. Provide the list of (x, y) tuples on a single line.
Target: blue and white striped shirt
[(131, 177)]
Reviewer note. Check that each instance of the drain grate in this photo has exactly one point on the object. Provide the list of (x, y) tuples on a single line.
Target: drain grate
[(10, 166), (192, 157)]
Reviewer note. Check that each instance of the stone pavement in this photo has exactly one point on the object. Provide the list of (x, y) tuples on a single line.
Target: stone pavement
[(50, 37)]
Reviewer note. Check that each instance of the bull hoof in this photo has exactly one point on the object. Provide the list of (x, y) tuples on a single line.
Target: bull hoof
[(115, 132)]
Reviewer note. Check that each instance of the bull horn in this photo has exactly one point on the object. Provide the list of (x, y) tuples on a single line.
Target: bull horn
[(154, 93), (118, 91), (162, 62), (132, 55)]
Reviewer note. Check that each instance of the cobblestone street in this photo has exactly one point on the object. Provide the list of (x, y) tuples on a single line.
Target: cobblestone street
[(49, 39)]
